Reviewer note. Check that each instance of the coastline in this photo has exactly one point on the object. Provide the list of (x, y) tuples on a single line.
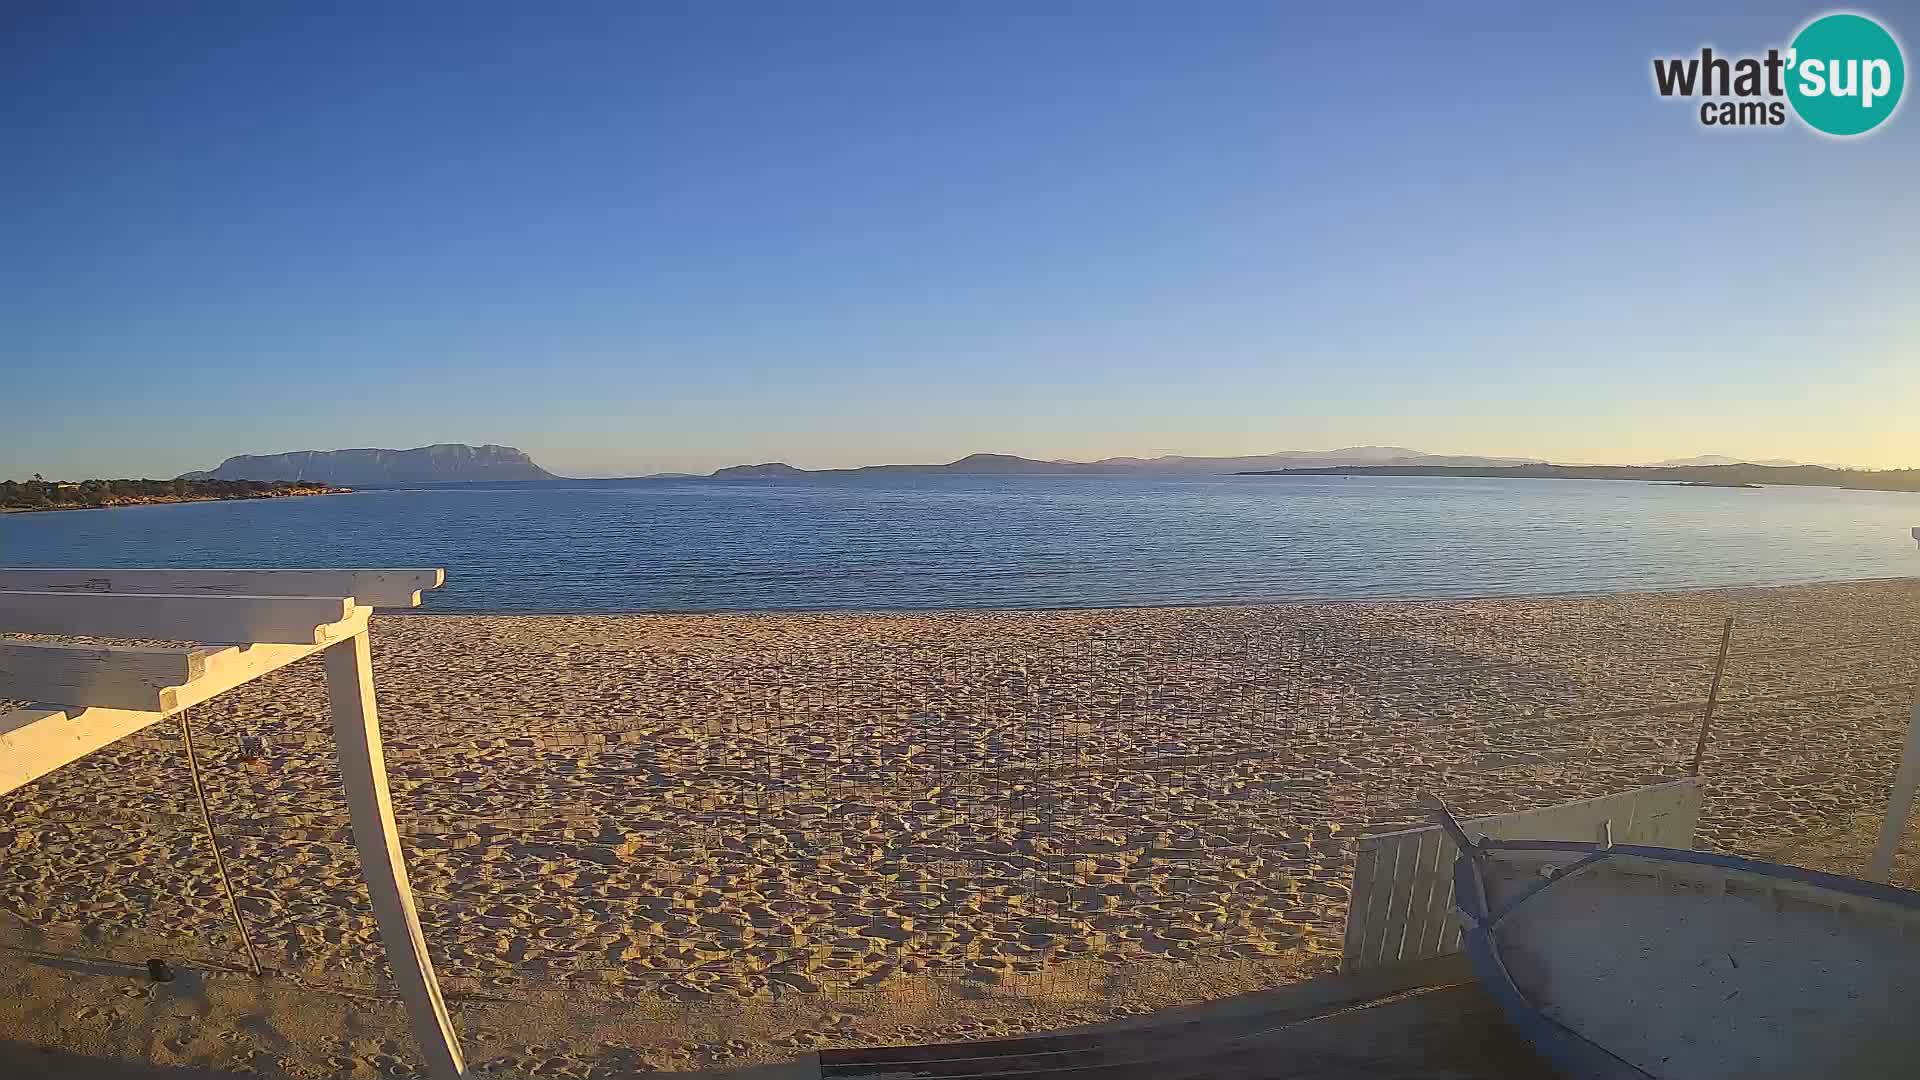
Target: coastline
[(169, 500), (431, 612), (805, 830)]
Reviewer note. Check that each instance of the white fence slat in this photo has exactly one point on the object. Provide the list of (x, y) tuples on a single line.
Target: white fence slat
[(1386, 855), (1420, 898), (1379, 913), (1450, 938), (1440, 903), (1365, 859), (1406, 870)]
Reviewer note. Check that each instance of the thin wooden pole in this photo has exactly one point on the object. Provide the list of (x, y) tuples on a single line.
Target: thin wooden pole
[(363, 771), (213, 841), (1713, 696)]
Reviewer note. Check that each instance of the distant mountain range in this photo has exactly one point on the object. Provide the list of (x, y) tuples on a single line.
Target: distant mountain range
[(1730, 476), (459, 462), (1722, 459), (1007, 463), (439, 463)]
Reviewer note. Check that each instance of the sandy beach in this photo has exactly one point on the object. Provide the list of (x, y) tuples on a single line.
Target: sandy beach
[(680, 842)]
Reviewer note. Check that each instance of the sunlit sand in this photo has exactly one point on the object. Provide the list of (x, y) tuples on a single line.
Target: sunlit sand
[(727, 840)]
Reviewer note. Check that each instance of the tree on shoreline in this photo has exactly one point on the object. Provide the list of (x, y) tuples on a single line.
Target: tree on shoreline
[(42, 494)]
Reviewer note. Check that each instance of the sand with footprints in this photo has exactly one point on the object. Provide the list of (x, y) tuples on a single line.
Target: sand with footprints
[(729, 839)]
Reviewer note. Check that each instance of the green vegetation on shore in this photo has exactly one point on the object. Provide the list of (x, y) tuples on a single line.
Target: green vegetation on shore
[(39, 494)]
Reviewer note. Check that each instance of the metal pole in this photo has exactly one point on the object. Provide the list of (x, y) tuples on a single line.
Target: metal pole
[(219, 863), (1713, 695)]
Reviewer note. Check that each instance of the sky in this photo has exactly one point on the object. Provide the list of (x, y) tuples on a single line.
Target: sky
[(636, 238)]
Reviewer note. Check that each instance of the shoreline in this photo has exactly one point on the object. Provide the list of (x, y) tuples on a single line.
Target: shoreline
[(175, 500), (426, 609)]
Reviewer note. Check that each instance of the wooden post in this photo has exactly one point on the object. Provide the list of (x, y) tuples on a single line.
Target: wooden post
[(363, 767), (1900, 802), (1713, 696)]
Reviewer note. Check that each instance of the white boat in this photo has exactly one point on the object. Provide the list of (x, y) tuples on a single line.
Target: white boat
[(1624, 962), (1620, 962)]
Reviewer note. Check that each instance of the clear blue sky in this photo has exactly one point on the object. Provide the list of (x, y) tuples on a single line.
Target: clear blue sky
[(631, 238)]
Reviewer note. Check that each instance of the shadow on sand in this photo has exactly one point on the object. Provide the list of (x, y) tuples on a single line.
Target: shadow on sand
[(1421, 1020)]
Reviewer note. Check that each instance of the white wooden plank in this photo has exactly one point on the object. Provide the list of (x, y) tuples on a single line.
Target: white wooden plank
[(111, 677), (1373, 914), (1380, 906), (363, 768), (163, 680), (225, 668), (1421, 880), (1366, 860), (1900, 801), (1440, 905), (34, 742), (372, 588), (1451, 935), (295, 620), (1393, 932)]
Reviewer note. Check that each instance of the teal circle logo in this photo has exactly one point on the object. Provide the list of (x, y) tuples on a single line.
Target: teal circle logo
[(1845, 74)]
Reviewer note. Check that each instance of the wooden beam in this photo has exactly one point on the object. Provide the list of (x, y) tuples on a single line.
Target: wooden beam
[(236, 664), (163, 680), (36, 741), (290, 620), (111, 677), (40, 738), (372, 588), (363, 769)]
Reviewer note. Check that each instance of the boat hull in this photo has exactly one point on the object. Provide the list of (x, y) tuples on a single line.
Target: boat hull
[(1630, 962)]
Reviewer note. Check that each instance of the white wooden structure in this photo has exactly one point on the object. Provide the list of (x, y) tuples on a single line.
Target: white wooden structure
[(1905, 782), (235, 625), (1402, 906)]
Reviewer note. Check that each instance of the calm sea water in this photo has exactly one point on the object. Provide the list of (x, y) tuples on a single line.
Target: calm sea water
[(947, 541)]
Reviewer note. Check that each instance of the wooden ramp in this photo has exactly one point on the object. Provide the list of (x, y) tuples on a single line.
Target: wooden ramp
[(1337, 1028)]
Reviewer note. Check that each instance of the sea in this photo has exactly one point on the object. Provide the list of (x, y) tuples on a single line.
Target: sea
[(915, 541)]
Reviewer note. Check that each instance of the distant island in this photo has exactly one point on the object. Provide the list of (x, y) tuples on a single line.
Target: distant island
[(1007, 464), (439, 463), (1741, 475), (21, 496), (454, 463)]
